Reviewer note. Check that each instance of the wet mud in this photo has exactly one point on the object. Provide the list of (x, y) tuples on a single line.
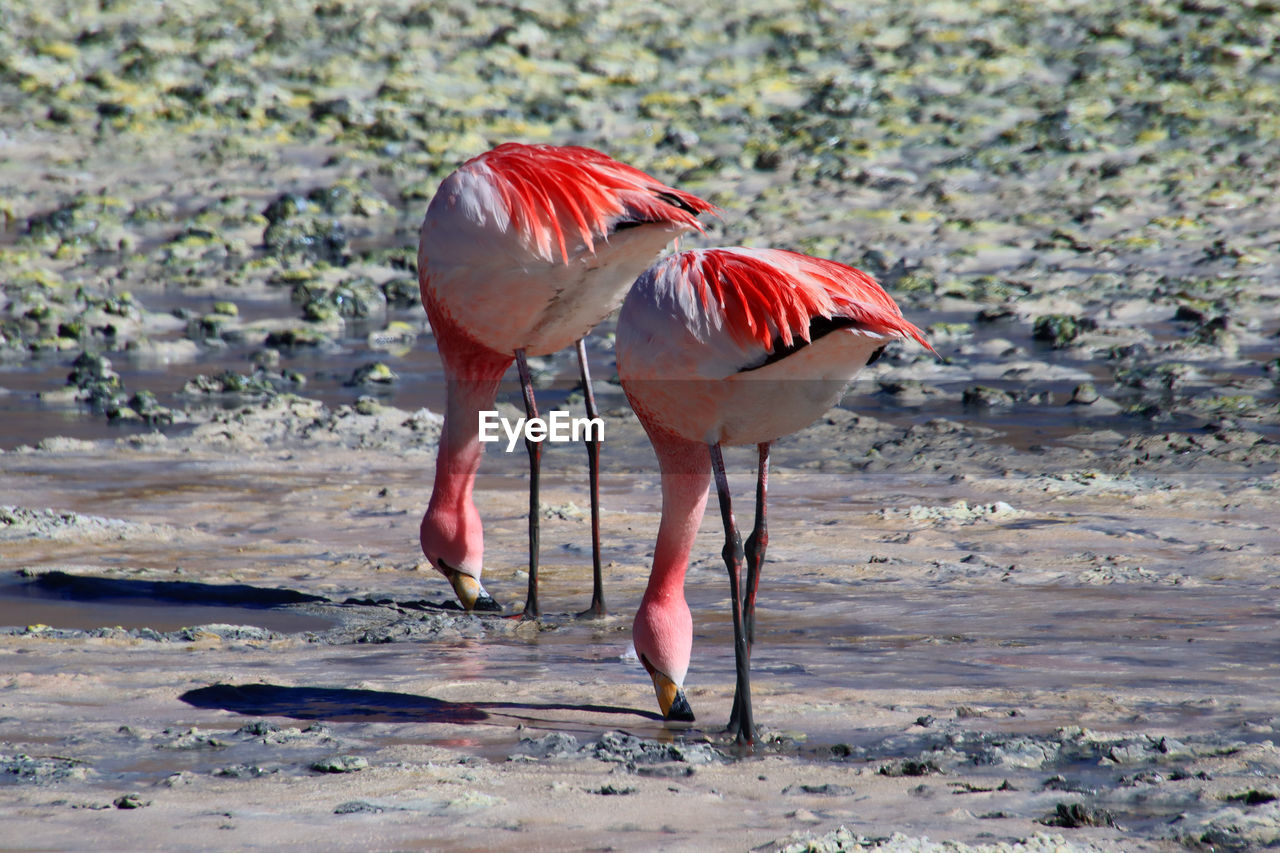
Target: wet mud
[(1019, 597)]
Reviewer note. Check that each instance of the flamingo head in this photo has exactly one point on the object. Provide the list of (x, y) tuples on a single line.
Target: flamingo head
[(454, 543), (663, 637)]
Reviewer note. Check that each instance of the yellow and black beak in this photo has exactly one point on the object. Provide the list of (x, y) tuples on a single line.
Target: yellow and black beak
[(471, 594), (671, 698)]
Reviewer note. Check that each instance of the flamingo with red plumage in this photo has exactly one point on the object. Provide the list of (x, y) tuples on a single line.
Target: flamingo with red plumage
[(731, 347), (523, 250)]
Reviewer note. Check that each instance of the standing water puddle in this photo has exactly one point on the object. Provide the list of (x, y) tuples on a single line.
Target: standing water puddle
[(61, 600)]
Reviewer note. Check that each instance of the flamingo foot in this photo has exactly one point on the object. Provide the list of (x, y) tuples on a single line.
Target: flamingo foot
[(743, 733), (595, 611), (528, 614)]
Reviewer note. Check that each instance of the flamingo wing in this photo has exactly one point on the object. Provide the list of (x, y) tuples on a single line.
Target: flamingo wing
[(562, 197), (776, 301), (743, 309), (559, 231)]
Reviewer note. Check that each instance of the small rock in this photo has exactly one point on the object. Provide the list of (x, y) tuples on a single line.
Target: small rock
[(982, 395), (1084, 394), (130, 801), (1076, 815), (341, 764), (374, 373), (242, 771), (614, 790), (1060, 329), (827, 789), (909, 767), (553, 745)]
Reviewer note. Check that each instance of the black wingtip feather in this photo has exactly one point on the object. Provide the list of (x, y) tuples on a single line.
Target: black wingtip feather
[(675, 201), (819, 327)]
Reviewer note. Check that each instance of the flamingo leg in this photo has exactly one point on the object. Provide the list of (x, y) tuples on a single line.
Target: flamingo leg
[(757, 542), (741, 723), (535, 505), (597, 608)]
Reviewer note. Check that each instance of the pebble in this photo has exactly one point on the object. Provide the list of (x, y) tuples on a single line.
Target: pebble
[(341, 764)]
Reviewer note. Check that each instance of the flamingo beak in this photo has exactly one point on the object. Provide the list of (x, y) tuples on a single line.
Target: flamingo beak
[(671, 698), (471, 595)]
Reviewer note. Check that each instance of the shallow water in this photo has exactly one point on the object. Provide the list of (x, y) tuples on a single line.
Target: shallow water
[(998, 637), (26, 419), (1216, 647), (1043, 638), (819, 628), (848, 653)]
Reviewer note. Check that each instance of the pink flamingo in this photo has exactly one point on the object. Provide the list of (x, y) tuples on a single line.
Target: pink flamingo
[(733, 346), (523, 250)]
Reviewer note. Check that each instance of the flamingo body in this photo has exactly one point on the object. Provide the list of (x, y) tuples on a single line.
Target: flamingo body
[(523, 250), (699, 330), (530, 246), (733, 346)]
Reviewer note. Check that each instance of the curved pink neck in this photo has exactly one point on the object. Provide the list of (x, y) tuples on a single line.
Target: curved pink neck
[(451, 528), (686, 474)]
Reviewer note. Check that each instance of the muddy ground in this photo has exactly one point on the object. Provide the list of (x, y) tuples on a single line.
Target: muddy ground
[(1022, 594)]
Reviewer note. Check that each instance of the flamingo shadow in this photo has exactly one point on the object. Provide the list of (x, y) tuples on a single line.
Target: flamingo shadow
[(371, 706), (92, 588)]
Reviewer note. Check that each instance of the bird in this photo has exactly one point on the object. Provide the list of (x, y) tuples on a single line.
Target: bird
[(523, 249), (733, 346)]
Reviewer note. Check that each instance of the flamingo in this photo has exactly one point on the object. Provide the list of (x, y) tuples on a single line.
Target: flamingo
[(732, 347), (523, 250)]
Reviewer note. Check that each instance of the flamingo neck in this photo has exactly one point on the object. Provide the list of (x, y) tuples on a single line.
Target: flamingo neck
[(686, 474), (451, 530), (663, 627)]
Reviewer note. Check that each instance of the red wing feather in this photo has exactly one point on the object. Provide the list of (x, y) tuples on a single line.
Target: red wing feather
[(554, 194), (768, 295)]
